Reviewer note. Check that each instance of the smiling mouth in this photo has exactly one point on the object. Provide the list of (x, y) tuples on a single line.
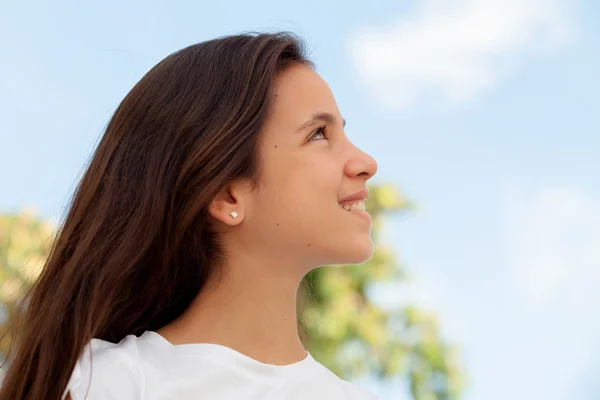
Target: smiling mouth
[(358, 205)]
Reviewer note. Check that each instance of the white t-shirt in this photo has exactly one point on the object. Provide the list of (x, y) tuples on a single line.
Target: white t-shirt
[(149, 367)]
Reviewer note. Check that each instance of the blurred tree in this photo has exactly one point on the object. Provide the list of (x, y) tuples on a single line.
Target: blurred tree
[(341, 327), (25, 241), (353, 337)]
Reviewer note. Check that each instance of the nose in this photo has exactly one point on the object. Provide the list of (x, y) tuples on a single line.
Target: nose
[(360, 164)]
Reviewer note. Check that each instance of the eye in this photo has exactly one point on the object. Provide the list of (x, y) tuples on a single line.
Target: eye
[(317, 133)]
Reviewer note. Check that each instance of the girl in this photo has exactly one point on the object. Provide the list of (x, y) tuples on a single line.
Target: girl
[(222, 179)]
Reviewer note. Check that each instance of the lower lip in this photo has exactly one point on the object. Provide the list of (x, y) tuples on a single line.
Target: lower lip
[(360, 214)]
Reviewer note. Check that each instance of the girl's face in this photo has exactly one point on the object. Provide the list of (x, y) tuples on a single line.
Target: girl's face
[(307, 168)]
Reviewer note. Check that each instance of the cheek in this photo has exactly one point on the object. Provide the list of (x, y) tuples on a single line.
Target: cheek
[(315, 178), (299, 188), (310, 193)]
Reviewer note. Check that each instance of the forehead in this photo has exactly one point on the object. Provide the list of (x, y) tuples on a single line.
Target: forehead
[(299, 93)]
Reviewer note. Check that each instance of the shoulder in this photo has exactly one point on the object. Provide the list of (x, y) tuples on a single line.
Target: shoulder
[(356, 392), (348, 390), (321, 384), (107, 370)]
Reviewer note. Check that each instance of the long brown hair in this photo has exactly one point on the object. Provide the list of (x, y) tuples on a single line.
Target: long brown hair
[(136, 246)]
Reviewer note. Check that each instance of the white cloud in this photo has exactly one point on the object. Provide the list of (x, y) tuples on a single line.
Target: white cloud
[(456, 47), (554, 252), (554, 246)]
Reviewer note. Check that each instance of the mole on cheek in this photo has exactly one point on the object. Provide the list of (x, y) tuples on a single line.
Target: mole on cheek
[(275, 146), (309, 245)]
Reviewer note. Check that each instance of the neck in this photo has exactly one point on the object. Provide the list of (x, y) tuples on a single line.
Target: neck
[(252, 310)]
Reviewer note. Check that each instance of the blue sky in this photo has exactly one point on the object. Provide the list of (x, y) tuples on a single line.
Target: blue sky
[(484, 112)]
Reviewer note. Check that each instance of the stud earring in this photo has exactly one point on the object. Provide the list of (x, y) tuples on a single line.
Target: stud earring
[(234, 214)]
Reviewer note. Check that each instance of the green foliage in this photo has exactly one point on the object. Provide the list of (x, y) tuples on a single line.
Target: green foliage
[(347, 332), (25, 241), (353, 337)]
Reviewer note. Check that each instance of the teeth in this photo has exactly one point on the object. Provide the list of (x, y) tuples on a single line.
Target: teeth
[(358, 206)]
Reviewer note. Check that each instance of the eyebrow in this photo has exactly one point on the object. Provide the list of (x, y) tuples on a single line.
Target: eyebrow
[(321, 117)]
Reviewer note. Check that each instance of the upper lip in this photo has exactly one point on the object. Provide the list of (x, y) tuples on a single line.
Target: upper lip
[(360, 195)]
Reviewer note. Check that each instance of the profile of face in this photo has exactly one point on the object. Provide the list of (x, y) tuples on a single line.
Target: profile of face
[(308, 167)]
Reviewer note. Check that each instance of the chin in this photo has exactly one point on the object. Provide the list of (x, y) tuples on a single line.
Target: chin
[(364, 256), (358, 253)]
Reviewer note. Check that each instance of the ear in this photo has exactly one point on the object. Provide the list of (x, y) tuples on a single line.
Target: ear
[(228, 205)]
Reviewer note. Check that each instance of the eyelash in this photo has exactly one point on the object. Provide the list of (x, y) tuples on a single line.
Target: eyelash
[(321, 131)]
